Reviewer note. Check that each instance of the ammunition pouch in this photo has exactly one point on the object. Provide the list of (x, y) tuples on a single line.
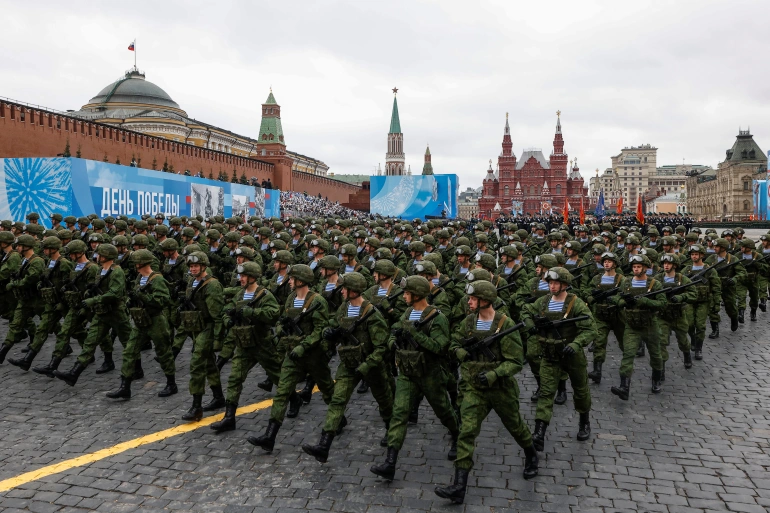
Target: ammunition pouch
[(351, 356), (289, 342), (638, 319), (48, 295), (140, 316), (702, 293), (470, 371), (192, 321), (411, 363), (244, 336), (552, 349), (673, 312), (603, 311), (227, 278), (72, 298)]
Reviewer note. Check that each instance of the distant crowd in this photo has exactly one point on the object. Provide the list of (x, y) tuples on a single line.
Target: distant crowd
[(306, 205)]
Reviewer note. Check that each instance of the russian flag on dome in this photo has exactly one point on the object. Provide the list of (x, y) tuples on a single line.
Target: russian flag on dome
[(131, 47)]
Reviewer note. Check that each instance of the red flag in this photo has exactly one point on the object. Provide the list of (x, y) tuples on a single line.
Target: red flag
[(566, 210), (131, 47), (582, 212), (620, 205), (639, 213)]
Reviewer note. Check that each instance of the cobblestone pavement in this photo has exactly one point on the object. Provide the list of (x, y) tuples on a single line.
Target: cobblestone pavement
[(701, 445)]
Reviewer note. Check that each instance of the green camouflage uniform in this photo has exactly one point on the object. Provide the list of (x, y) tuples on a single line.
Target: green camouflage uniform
[(24, 288), (641, 324), (203, 324), (9, 266), (607, 318), (76, 317), (708, 297), (737, 274), (54, 277), (674, 316), (751, 283)]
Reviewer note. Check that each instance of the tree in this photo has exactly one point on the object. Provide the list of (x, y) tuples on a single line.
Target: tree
[(67, 150), (154, 164), (171, 168), (78, 153), (105, 158), (244, 180), (139, 161), (211, 175), (234, 179), (117, 160), (165, 166)]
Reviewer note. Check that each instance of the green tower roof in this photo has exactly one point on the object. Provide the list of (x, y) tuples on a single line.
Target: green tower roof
[(395, 123), (271, 99)]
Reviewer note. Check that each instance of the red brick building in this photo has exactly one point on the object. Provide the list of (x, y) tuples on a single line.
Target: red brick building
[(531, 184)]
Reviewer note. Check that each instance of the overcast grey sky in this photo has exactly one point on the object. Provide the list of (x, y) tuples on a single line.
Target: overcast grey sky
[(680, 75)]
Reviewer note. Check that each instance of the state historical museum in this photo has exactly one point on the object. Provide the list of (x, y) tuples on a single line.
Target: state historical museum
[(531, 184)]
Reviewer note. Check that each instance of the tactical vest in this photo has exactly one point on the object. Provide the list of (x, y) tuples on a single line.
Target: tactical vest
[(27, 292), (73, 296), (100, 287), (194, 321), (638, 318), (478, 363), (552, 342), (282, 291), (673, 311), (352, 355), (289, 340), (604, 311), (411, 361), (379, 300), (143, 316), (48, 284), (246, 334), (333, 298), (702, 289)]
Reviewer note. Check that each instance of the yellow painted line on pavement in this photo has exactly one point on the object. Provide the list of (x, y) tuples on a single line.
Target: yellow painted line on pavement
[(89, 458)]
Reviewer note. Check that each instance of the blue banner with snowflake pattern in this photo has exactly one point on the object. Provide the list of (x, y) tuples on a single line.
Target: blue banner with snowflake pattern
[(79, 187)]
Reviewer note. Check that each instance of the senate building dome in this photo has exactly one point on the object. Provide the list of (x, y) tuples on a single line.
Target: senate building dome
[(133, 88)]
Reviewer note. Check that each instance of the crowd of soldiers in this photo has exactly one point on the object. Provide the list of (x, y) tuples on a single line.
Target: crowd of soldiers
[(442, 310)]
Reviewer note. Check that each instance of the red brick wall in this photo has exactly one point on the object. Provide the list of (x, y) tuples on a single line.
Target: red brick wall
[(327, 187)]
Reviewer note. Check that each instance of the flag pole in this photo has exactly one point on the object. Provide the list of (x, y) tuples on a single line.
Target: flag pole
[(135, 54)]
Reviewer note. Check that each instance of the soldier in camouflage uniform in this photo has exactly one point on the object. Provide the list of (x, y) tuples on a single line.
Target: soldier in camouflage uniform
[(148, 297), (674, 316), (421, 369), (105, 298), (174, 271), (300, 336), (607, 316), (250, 315), (562, 350), (10, 263), (51, 282), (201, 319), (754, 270), (488, 383), (730, 277), (361, 333), (23, 285), (708, 297)]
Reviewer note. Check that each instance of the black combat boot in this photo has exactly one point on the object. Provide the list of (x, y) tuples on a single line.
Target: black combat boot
[(72, 376), (538, 437), (341, 427), (734, 323), (561, 392), (295, 401), (124, 392), (763, 305), (266, 385), (384, 439), (47, 370), (171, 387), (414, 413), (107, 365), (640, 350), (195, 413), (753, 315), (456, 491), (363, 387), (452, 454), (4, 351), (596, 374), (656, 382), (584, 427), (307, 393), (24, 363), (536, 393), (218, 401), (714, 330), (138, 370), (530, 462), (321, 451), (699, 350), (688, 359), (741, 311), (388, 469), (228, 421), (267, 441), (67, 350), (220, 362), (663, 373), (624, 390)]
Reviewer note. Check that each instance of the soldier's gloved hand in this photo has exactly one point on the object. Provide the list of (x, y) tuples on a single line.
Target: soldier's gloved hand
[(221, 362), (590, 300), (11, 286), (398, 332), (487, 379), (461, 354), (729, 281), (297, 353), (328, 333), (643, 301), (569, 350), (675, 299)]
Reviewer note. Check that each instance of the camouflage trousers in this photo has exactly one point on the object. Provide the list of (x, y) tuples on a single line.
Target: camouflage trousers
[(202, 362), (158, 333), (245, 359), (433, 387), (729, 298), (22, 321), (314, 363), (649, 336), (99, 331), (551, 372), (697, 315), (750, 286), (74, 326), (49, 323), (603, 328), (680, 327), (345, 382), (475, 407)]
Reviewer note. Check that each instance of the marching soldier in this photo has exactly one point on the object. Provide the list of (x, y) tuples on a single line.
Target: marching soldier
[(708, 296), (755, 268), (674, 316), (607, 315), (730, 273)]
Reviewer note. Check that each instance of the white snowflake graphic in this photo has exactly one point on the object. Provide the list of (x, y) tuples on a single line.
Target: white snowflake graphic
[(42, 185)]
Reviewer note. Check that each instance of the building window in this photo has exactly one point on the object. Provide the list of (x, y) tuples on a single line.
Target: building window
[(558, 189), (746, 205), (505, 191)]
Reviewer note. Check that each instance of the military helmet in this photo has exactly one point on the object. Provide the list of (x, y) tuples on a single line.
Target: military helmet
[(478, 274), (248, 240), (546, 261), (330, 262), (722, 243), (95, 237), (554, 236), (373, 242), (27, 241), (169, 245), (283, 256), (278, 244), (34, 229), (385, 267), (609, 255), (417, 246), (482, 289), (213, 234), (640, 259), (188, 232), (668, 240), (697, 248), (727, 232), (353, 281), (436, 258), (232, 237), (633, 239), (322, 244), (598, 249), (425, 267), (482, 238), (252, 269), (7, 238), (486, 261), (416, 285), (748, 243), (650, 253), (302, 273), (739, 231), (464, 250), (142, 257), (691, 237), (246, 252), (107, 251), (509, 251), (121, 225), (162, 229), (559, 274), (383, 253), (120, 240), (76, 246), (653, 232), (348, 250), (428, 240), (462, 241), (51, 243), (140, 240), (197, 257), (670, 258), (573, 245)]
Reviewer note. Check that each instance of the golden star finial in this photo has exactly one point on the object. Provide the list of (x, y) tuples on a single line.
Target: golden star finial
[(558, 113)]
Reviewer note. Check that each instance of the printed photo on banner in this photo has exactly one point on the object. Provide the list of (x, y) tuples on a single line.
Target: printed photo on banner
[(206, 200), (241, 207)]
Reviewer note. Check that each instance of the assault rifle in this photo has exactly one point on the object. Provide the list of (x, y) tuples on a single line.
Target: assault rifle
[(388, 302), (405, 339), (292, 324), (510, 283), (236, 314), (753, 262), (670, 291), (543, 324), (600, 295), (45, 279), (347, 334), (482, 346), (577, 269), (719, 269)]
